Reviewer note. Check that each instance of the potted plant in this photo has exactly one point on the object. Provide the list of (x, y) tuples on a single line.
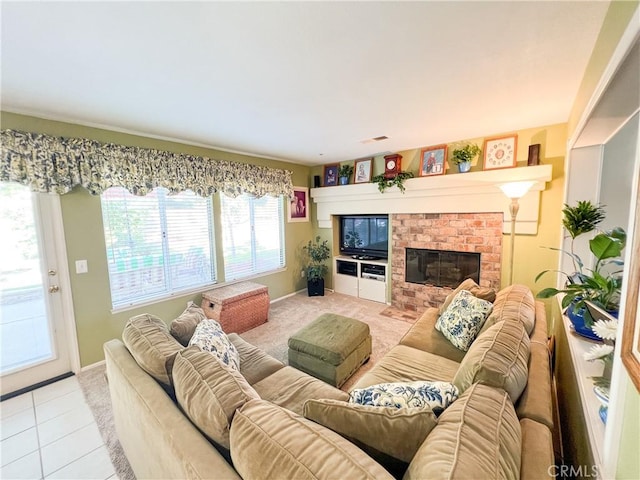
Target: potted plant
[(318, 253), (344, 172), (600, 285), (462, 156)]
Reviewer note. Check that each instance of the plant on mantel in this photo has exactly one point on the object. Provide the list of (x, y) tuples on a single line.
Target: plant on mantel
[(398, 181)]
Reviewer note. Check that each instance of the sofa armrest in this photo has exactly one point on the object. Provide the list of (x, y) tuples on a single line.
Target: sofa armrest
[(158, 440)]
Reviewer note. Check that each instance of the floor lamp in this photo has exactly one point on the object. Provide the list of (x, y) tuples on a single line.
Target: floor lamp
[(514, 191)]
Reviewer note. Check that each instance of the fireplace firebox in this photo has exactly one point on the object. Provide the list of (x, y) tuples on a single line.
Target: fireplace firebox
[(442, 268)]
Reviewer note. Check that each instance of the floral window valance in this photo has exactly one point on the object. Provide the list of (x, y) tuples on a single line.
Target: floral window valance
[(56, 165)]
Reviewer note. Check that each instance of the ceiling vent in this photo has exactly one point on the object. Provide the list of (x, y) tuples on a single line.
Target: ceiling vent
[(375, 139)]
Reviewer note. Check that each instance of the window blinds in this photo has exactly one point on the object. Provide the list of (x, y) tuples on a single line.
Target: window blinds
[(157, 244), (252, 235)]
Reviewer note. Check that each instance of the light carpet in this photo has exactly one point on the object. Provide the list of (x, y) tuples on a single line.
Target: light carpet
[(285, 318)]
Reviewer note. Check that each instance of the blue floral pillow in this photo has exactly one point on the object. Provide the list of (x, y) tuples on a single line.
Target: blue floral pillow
[(210, 338), (432, 395), (461, 322)]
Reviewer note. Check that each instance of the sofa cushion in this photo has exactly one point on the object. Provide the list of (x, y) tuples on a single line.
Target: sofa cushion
[(255, 364), (515, 302), (268, 441), (463, 319), (209, 392), (435, 396), (535, 401), (150, 343), (397, 432), (499, 358), (290, 388), (537, 451), (406, 364), (183, 327), (478, 436), (424, 336), (485, 293), (210, 338)]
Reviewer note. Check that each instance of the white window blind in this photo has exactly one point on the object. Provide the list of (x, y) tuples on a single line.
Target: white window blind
[(157, 245), (252, 235)]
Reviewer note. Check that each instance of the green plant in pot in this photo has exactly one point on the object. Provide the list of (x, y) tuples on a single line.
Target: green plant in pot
[(318, 253), (600, 285), (463, 156), (344, 172)]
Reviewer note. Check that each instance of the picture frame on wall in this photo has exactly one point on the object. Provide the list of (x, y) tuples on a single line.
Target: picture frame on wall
[(500, 152), (330, 175), (432, 160), (362, 169), (299, 205)]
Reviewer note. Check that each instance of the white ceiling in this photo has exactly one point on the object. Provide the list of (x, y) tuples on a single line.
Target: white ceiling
[(303, 82)]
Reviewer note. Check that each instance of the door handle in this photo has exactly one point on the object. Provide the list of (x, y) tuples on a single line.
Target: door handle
[(54, 288)]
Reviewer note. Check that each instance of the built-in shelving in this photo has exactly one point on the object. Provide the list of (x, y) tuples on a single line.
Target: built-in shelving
[(361, 278)]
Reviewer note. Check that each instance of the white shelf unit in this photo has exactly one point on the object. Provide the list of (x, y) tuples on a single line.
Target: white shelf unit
[(361, 278)]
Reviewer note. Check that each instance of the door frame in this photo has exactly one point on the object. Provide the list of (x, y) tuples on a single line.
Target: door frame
[(52, 203)]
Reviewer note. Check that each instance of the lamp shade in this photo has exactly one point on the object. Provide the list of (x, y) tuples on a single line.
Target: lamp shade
[(516, 189)]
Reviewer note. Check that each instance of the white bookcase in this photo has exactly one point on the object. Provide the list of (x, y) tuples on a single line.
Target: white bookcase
[(361, 278)]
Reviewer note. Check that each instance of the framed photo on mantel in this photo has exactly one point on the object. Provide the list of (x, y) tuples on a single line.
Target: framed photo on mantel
[(500, 152)]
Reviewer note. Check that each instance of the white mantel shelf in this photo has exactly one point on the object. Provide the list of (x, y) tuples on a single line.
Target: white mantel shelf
[(472, 192)]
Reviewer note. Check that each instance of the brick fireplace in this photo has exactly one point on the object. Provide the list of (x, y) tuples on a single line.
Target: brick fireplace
[(462, 232)]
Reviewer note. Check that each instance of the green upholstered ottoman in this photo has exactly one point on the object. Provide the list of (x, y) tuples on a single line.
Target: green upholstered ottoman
[(331, 348)]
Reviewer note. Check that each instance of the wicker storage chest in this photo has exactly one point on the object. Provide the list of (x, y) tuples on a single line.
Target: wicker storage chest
[(238, 307)]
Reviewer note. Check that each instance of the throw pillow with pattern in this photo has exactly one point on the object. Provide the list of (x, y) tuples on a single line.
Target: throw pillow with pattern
[(210, 338), (435, 396), (461, 322)]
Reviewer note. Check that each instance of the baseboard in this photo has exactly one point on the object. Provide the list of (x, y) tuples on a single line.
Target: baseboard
[(93, 365)]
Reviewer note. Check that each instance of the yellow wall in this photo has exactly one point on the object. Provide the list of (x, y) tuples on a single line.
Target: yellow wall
[(530, 254), (82, 219)]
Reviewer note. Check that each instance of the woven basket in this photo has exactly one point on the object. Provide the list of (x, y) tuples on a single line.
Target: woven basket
[(238, 307)]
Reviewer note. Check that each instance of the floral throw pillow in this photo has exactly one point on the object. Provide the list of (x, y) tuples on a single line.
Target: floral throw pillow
[(461, 322), (210, 338), (435, 396)]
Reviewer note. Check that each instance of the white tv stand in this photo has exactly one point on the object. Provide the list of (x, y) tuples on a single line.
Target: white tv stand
[(361, 278)]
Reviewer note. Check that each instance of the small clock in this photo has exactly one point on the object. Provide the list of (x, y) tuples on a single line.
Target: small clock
[(392, 165)]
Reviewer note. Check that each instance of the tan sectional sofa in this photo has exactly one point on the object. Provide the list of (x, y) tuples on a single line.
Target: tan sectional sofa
[(252, 424)]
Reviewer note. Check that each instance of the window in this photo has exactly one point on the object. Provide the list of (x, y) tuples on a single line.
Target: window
[(157, 245), (252, 235)]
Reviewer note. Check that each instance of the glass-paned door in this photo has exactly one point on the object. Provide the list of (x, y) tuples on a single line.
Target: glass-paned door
[(31, 327)]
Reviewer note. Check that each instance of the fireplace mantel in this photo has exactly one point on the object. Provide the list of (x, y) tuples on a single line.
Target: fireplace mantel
[(473, 192)]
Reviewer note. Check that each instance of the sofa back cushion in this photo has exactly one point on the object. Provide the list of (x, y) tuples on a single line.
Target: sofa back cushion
[(183, 327), (515, 302), (499, 358), (148, 340), (478, 436), (397, 432), (268, 441), (485, 293), (209, 392)]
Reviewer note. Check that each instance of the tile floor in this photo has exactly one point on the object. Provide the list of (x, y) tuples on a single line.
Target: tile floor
[(50, 433)]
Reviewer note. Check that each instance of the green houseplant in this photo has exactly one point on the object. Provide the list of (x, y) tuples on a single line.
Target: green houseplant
[(344, 172), (600, 285), (398, 181), (462, 156), (318, 253)]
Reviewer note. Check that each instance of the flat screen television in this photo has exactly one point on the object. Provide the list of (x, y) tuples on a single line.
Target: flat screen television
[(365, 236)]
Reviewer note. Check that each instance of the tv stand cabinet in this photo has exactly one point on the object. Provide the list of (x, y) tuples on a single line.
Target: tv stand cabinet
[(361, 278)]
